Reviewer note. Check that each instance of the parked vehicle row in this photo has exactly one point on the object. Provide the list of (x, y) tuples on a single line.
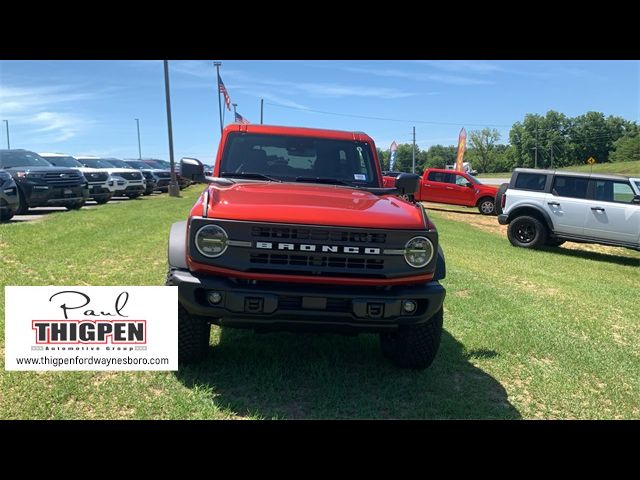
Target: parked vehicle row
[(29, 179)]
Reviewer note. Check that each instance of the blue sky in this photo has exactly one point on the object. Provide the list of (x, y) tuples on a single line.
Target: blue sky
[(88, 107)]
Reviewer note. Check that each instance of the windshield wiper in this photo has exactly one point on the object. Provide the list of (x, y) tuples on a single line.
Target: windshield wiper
[(330, 181), (257, 176)]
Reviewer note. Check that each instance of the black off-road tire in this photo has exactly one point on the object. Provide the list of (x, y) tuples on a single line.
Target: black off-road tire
[(74, 206), (498, 199), (193, 332), (414, 346), (527, 232), (23, 207), (6, 215), (133, 196), (483, 206), (193, 337), (102, 200)]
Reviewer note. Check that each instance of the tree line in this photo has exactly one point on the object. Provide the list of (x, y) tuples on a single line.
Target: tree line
[(550, 141)]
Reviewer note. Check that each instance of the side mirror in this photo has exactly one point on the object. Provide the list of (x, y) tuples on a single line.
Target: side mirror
[(192, 169), (408, 183), (469, 185), (636, 200)]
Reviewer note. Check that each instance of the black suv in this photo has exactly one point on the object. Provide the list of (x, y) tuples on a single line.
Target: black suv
[(40, 184), (8, 196)]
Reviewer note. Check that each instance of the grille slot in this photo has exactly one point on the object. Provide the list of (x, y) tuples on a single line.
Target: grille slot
[(291, 302), (346, 263), (318, 234)]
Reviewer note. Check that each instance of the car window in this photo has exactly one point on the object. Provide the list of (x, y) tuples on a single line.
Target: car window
[(437, 177), (461, 181), (572, 187), (531, 181), (612, 191)]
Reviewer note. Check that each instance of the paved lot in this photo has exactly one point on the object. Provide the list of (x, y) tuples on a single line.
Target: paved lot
[(41, 212), (494, 181)]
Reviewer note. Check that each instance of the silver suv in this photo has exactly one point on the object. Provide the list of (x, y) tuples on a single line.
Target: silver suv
[(549, 207)]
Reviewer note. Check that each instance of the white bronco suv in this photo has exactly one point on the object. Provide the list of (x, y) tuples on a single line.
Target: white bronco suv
[(549, 207)]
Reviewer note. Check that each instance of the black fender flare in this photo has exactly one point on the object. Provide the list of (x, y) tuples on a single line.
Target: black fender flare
[(177, 249), (441, 268), (545, 215)]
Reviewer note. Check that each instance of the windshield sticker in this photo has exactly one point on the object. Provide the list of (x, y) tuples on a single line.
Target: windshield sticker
[(360, 176)]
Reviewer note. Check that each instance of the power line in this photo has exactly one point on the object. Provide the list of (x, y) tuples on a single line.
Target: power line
[(386, 119)]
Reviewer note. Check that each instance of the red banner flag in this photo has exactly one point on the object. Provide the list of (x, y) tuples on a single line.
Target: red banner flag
[(462, 140)]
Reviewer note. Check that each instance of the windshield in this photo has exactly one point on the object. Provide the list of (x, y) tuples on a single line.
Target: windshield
[(475, 179), (64, 162), (156, 164), (637, 182), (292, 158), (118, 163), (16, 158), (95, 163), (139, 165)]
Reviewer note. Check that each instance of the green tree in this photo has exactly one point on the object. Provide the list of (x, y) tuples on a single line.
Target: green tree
[(438, 156), (483, 151), (404, 159), (626, 149)]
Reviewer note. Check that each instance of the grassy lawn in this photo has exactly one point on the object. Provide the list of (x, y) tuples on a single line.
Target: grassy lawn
[(622, 168), (528, 334)]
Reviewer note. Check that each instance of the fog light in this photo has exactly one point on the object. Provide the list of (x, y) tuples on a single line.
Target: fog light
[(409, 306), (214, 298)]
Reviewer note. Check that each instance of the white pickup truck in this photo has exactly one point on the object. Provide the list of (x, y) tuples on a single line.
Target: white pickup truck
[(549, 207)]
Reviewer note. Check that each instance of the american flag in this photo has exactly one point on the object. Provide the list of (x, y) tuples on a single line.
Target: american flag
[(223, 90), (241, 119)]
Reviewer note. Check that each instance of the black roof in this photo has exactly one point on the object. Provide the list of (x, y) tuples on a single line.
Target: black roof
[(604, 176)]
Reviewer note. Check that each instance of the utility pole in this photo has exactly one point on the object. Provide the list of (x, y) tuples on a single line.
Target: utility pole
[(8, 144), (217, 65), (536, 152), (261, 110), (139, 149), (174, 189), (413, 153)]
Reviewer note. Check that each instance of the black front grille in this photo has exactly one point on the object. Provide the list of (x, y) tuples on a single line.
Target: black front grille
[(148, 175), (131, 175), (163, 174), (63, 179), (97, 177), (357, 263), (317, 234)]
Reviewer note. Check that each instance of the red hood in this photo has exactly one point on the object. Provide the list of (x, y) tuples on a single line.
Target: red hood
[(487, 189), (310, 204)]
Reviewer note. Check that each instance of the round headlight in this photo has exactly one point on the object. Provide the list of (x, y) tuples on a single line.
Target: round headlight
[(211, 241), (418, 252)]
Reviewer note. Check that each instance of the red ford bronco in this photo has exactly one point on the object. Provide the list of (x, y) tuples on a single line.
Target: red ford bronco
[(295, 232)]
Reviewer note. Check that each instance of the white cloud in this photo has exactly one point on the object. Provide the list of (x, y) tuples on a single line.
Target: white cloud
[(420, 76), (42, 109)]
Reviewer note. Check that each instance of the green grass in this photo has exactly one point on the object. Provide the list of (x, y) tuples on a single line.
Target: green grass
[(528, 334), (622, 168)]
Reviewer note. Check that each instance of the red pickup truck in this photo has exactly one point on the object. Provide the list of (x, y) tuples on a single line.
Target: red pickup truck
[(454, 188)]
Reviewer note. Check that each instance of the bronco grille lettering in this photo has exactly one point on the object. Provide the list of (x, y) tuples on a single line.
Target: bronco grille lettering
[(303, 247)]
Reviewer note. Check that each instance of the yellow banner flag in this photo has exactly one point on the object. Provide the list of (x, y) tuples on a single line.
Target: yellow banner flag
[(462, 139)]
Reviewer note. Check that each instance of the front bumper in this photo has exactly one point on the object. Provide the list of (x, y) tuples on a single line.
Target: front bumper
[(9, 198), (285, 306), (503, 219), (42, 195)]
